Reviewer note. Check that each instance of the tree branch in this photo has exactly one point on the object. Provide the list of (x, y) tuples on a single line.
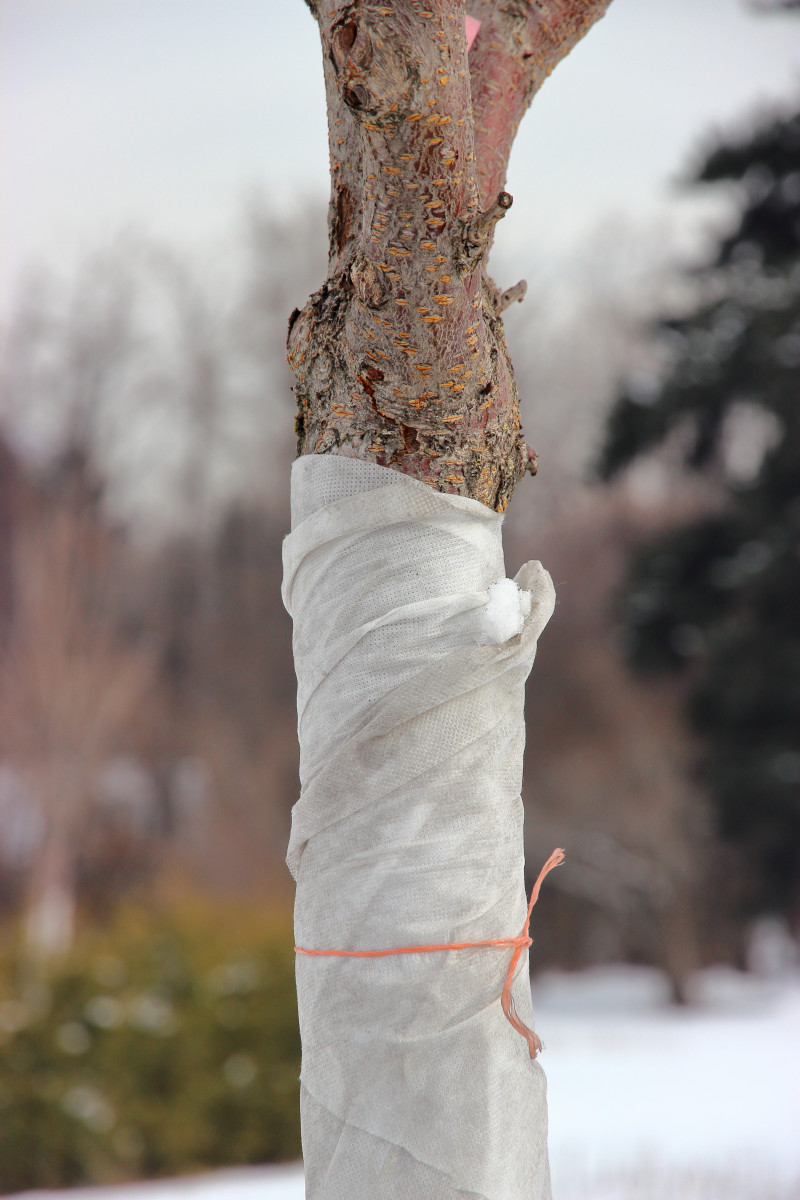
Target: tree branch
[(518, 45)]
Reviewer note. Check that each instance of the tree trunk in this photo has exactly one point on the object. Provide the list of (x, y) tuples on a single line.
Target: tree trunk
[(49, 921), (400, 356), (411, 646), (50, 912)]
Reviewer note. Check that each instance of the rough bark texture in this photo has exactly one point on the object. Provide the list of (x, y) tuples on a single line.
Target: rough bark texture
[(400, 356)]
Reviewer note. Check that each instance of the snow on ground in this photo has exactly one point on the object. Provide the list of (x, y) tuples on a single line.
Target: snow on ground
[(241, 1183), (647, 1102), (666, 1102)]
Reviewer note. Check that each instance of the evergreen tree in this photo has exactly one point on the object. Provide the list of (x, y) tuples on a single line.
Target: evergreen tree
[(718, 598)]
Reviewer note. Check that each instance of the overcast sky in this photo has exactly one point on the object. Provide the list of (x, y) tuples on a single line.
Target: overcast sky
[(164, 114)]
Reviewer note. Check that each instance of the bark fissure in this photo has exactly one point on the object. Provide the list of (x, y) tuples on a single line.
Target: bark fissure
[(400, 356)]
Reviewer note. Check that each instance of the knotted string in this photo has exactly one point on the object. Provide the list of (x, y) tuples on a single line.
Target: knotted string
[(518, 944)]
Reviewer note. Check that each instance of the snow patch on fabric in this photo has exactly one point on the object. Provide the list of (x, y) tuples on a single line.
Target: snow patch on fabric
[(505, 613)]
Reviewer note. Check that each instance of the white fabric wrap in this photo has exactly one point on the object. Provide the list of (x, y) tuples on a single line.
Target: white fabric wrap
[(408, 831)]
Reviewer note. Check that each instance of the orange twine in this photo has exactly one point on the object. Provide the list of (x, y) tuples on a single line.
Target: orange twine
[(518, 944)]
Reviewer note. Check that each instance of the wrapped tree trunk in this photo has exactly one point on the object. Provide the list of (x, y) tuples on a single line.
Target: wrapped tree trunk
[(411, 647)]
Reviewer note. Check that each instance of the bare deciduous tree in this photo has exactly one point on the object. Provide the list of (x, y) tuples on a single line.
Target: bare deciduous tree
[(68, 691)]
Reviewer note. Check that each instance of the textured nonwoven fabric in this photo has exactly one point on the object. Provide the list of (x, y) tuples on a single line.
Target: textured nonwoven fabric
[(408, 831)]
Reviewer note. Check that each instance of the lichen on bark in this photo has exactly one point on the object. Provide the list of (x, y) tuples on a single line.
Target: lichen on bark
[(400, 357)]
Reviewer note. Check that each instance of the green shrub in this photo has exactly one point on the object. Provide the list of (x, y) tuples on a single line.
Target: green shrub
[(164, 1044)]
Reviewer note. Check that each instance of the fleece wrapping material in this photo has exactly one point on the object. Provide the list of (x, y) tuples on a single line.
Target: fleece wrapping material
[(411, 665)]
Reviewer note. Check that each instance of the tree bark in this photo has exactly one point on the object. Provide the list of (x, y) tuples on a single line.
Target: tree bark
[(400, 357)]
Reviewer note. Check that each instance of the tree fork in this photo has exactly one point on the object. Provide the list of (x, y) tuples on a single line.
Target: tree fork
[(400, 357)]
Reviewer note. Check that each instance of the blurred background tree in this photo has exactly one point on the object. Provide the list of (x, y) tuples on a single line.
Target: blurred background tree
[(146, 718), (716, 599)]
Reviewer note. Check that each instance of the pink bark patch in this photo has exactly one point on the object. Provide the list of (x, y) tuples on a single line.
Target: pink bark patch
[(472, 31)]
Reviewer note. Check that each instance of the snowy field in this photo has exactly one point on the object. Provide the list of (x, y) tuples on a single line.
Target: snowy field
[(646, 1102)]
